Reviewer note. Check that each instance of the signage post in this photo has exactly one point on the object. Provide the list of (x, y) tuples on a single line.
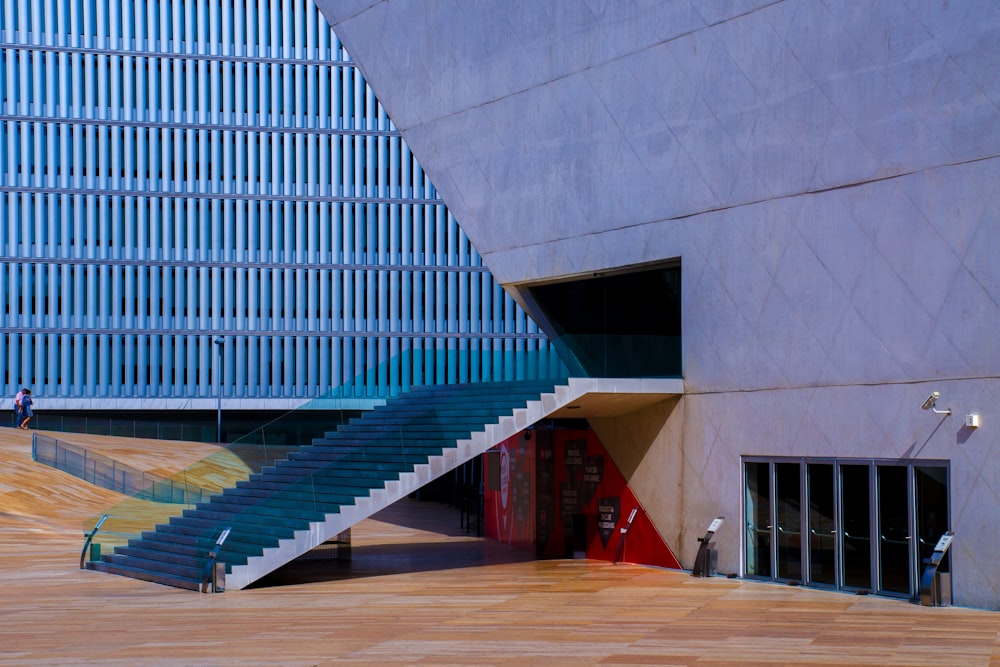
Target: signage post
[(931, 594), (215, 572), (620, 552), (707, 558)]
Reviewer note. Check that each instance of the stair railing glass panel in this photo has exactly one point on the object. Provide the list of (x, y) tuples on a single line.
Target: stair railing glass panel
[(278, 479)]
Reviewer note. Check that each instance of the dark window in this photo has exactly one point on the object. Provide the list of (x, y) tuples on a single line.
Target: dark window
[(620, 325)]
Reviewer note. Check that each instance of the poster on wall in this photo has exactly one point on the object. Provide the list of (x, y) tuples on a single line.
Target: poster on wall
[(545, 502), (608, 513), (593, 473), (510, 510)]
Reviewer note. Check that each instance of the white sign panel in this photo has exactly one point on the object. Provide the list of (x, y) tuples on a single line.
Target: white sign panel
[(944, 542)]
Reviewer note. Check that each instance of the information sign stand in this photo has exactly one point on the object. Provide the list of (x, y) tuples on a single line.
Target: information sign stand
[(931, 594), (708, 557), (620, 552), (215, 572)]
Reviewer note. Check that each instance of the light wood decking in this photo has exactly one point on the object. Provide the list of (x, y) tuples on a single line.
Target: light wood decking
[(421, 592)]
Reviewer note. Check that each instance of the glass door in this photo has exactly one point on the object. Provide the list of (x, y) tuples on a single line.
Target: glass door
[(822, 524), (856, 534), (758, 518), (861, 525), (895, 553), (931, 491), (788, 515)]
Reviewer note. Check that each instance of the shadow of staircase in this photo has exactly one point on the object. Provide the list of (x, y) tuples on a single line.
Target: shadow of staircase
[(323, 489)]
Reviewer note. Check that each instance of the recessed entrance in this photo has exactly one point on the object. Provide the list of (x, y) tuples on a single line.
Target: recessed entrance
[(856, 525)]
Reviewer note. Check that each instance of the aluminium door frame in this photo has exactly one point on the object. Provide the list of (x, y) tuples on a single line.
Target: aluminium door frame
[(807, 555), (874, 518)]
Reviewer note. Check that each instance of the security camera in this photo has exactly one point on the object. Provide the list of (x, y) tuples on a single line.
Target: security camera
[(932, 401)]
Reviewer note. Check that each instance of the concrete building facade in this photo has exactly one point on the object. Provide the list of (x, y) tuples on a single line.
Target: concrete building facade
[(827, 178)]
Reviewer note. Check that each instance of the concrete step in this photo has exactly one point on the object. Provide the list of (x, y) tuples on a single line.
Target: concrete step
[(171, 548), (258, 491), (159, 555), (145, 575), (253, 514), (378, 470), (322, 482), (188, 570), (250, 532), (284, 495)]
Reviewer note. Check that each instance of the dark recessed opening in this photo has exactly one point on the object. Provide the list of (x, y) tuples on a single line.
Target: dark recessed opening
[(620, 325)]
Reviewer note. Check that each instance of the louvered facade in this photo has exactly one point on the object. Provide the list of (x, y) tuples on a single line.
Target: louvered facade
[(179, 172)]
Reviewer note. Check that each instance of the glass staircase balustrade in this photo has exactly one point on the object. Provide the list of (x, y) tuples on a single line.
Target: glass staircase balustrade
[(280, 497)]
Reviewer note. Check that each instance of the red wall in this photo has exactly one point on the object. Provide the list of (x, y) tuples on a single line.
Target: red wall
[(560, 495), (510, 512)]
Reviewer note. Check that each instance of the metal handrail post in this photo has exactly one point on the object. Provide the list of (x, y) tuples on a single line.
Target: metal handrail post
[(90, 538), (620, 551), (210, 566)]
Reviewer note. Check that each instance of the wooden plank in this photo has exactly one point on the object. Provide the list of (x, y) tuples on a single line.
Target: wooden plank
[(421, 591)]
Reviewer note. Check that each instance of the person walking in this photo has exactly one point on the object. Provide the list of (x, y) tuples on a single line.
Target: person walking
[(26, 412), (17, 407)]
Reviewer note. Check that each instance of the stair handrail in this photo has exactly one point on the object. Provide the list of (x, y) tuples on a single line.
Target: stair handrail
[(213, 554), (90, 538), (111, 474)]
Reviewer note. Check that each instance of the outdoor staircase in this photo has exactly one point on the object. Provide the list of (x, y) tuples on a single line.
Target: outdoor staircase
[(324, 488)]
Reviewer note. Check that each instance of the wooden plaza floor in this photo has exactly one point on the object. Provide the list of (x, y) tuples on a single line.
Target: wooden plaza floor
[(421, 592)]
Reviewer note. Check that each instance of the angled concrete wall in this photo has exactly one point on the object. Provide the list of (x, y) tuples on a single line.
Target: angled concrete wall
[(597, 117), (828, 174)]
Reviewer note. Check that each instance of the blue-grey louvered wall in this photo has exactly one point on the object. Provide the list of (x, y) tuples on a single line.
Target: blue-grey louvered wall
[(176, 170)]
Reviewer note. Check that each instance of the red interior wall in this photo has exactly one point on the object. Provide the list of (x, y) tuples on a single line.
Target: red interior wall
[(561, 496), (510, 512)]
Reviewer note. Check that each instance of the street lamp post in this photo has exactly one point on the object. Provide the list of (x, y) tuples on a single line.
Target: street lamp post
[(220, 343)]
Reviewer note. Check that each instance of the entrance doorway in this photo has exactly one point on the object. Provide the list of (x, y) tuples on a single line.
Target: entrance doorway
[(848, 524)]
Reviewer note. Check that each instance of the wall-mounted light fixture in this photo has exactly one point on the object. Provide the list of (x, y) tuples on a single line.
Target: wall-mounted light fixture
[(931, 401)]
